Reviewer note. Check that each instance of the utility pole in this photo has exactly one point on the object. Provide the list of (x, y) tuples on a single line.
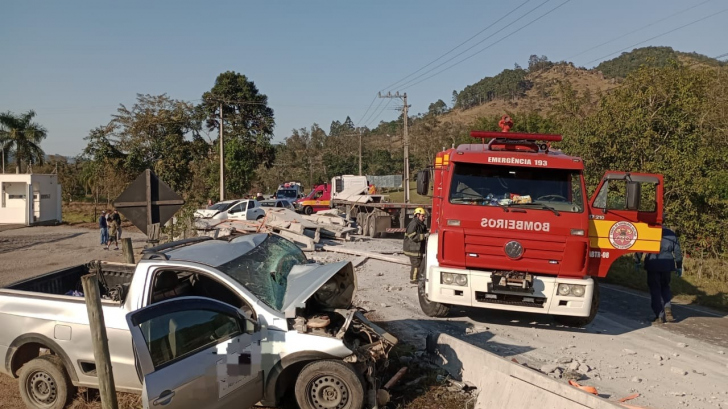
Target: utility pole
[(222, 158), (405, 108), (360, 152)]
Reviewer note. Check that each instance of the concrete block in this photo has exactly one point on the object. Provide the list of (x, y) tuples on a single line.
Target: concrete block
[(505, 384)]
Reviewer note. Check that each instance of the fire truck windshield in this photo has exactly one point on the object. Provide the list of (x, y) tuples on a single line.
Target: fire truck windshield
[(492, 185)]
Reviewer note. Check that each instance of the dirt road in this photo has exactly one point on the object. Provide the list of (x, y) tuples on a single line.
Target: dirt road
[(674, 366)]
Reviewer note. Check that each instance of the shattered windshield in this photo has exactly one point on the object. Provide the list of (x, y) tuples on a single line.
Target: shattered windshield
[(488, 185), (287, 193), (264, 270)]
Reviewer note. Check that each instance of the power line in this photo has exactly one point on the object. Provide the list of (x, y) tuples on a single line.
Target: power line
[(367, 119), (457, 46), (380, 113), (473, 46), (659, 35), (411, 84), (365, 112), (639, 29)]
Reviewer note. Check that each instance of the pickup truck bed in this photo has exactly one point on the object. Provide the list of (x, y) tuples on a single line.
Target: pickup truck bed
[(43, 312), (60, 282)]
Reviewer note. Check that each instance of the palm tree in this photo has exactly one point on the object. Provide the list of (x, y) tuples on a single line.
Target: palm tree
[(22, 137)]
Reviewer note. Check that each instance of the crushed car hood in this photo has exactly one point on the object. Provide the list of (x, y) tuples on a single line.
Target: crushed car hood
[(330, 286)]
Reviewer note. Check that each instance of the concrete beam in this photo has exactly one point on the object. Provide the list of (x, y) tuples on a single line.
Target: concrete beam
[(505, 384)]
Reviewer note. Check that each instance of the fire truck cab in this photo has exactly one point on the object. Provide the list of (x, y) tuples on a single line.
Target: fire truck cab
[(513, 229)]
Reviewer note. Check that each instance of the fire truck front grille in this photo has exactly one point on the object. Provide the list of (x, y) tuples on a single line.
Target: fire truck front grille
[(507, 299)]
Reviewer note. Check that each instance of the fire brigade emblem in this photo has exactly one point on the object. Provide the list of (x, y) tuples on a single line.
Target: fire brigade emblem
[(623, 235)]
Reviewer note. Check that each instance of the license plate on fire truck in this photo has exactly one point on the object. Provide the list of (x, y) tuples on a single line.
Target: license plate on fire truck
[(511, 281)]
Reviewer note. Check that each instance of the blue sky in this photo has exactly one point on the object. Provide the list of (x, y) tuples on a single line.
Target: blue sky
[(74, 62)]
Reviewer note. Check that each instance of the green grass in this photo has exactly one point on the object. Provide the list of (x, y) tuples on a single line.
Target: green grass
[(397, 196), (704, 281)]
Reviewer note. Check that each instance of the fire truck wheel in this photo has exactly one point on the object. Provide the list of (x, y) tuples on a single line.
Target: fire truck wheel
[(430, 308), (582, 321), (308, 210), (372, 230)]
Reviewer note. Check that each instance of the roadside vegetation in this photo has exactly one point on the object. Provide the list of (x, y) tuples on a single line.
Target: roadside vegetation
[(704, 281)]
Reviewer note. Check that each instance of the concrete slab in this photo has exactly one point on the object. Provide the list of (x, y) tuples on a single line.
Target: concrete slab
[(505, 384)]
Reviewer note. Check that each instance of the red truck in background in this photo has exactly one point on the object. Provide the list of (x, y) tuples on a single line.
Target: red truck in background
[(512, 228), (319, 199)]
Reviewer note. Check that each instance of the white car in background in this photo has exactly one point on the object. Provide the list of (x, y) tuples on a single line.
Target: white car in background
[(279, 203), (238, 209)]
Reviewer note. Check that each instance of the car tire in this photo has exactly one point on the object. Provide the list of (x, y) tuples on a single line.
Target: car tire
[(430, 308), (582, 321), (259, 217), (45, 384), (308, 210), (329, 384)]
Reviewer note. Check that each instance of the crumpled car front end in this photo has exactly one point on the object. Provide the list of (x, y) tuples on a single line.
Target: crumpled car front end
[(327, 311)]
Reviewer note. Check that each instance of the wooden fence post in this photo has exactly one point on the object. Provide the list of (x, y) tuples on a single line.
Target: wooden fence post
[(127, 250), (100, 341)]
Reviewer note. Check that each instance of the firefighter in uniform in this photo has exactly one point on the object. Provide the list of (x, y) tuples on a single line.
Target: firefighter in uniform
[(415, 239)]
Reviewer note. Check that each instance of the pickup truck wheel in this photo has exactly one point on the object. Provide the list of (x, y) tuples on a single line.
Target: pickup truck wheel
[(329, 384), (308, 210), (44, 383), (430, 308), (582, 321), (259, 217)]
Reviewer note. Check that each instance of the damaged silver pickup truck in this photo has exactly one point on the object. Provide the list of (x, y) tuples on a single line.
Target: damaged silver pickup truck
[(215, 323)]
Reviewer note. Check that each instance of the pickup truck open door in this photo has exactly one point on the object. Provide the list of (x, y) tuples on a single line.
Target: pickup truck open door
[(195, 352), (625, 216)]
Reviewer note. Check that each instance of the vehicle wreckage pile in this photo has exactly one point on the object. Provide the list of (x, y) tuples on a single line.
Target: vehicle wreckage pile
[(304, 230)]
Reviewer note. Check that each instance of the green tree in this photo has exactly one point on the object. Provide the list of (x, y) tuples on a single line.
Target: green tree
[(21, 137), (248, 125), (437, 108), (669, 120)]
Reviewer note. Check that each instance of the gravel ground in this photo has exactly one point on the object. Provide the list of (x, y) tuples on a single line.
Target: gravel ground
[(675, 366), (30, 251), (678, 365)]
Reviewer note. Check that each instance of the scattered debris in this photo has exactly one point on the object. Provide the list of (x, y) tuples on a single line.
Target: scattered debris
[(629, 352), (658, 357), (395, 378), (548, 368), (682, 345), (678, 371), (572, 375), (377, 256), (636, 379)]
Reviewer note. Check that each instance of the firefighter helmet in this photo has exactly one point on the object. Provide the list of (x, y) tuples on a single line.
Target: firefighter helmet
[(419, 210)]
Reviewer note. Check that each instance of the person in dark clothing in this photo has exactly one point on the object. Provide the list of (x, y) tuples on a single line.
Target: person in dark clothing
[(659, 269), (415, 239), (103, 227), (117, 218)]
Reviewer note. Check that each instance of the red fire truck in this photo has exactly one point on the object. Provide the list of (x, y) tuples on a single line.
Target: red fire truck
[(512, 229)]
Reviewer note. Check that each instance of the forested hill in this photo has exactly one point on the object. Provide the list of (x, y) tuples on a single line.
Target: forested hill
[(626, 63), (533, 81)]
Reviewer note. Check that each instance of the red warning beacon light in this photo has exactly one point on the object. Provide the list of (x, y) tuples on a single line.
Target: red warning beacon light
[(505, 124)]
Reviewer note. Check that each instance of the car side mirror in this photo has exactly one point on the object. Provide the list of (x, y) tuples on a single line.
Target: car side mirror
[(423, 182), (634, 195)]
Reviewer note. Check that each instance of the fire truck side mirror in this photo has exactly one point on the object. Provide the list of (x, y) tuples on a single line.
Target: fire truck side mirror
[(423, 182), (634, 194)]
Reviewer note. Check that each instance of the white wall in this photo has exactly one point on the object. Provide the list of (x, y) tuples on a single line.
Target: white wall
[(45, 188), (12, 202)]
